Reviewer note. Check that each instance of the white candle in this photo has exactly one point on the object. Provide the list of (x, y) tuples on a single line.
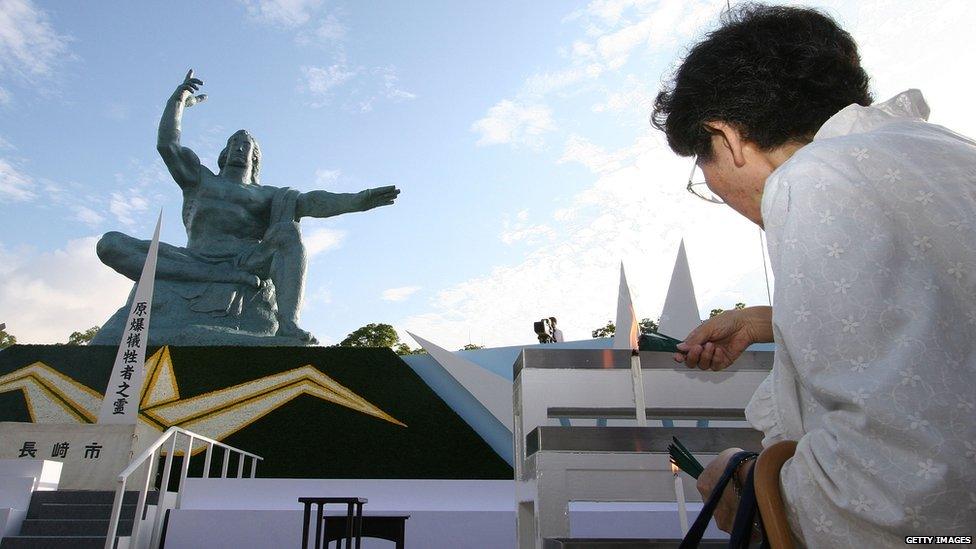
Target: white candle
[(679, 494), (637, 377)]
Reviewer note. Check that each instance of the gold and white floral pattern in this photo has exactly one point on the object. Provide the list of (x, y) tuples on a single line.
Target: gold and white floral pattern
[(53, 397)]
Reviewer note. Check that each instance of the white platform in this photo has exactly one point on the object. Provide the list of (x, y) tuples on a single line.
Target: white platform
[(245, 513), (386, 495)]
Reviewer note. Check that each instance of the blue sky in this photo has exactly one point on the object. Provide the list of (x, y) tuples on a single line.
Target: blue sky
[(517, 132)]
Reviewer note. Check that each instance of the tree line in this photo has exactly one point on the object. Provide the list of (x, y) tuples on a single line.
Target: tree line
[(76, 338), (375, 335)]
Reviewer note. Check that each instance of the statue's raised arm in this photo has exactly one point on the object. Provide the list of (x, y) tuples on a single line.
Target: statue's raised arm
[(182, 163), (326, 204)]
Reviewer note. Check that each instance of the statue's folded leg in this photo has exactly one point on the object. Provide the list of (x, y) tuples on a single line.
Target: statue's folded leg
[(281, 255), (127, 255)]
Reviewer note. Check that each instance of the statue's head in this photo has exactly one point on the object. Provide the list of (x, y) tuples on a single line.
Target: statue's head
[(242, 150)]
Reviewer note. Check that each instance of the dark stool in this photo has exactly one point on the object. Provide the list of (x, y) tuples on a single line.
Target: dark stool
[(388, 527), (354, 523)]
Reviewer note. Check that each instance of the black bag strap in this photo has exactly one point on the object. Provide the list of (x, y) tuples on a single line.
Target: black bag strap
[(746, 516), (697, 530)]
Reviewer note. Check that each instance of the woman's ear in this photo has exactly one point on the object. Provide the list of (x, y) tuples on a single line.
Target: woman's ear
[(728, 138)]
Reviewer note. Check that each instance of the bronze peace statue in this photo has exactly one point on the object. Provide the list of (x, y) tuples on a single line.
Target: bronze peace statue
[(240, 279)]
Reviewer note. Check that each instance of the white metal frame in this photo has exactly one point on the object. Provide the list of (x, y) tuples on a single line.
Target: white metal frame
[(149, 456)]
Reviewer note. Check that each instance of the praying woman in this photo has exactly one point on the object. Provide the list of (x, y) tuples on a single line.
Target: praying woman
[(870, 218)]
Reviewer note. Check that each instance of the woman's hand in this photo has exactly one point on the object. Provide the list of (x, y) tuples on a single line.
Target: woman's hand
[(719, 341), (729, 504)]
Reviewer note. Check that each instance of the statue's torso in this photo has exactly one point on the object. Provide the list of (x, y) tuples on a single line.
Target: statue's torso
[(225, 218)]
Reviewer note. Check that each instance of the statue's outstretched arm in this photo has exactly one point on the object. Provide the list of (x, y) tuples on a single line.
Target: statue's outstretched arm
[(326, 204), (183, 163)]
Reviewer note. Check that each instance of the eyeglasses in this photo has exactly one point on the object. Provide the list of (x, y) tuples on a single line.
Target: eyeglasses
[(697, 186)]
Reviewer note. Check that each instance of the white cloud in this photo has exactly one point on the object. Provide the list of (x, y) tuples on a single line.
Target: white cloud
[(314, 300), (919, 45), (375, 85), (29, 46), (322, 295), (515, 123), (609, 11), (389, 78), (321, 240), (308, 20), (397, 94), (615, 48), (4, 96), (529, 234), (564, 214), (328, 31), (614, 29), (580, 150), (520, 230), (207, 144), (540, 84), (332, 180), (636, 98), (126, 206), (148, 175), (312, 25), (637, 214), (46, 296), (283, 13), (621, 27), (399, 294), (582, 50), (143, 187), (88, 216), (321, 81), (325, 178), (14, 184)]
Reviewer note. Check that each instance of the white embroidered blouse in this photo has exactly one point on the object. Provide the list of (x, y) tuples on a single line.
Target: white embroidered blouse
[(872, 237)]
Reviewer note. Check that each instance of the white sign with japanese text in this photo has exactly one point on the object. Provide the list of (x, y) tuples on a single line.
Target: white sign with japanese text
[(92, 456), (121, 403)]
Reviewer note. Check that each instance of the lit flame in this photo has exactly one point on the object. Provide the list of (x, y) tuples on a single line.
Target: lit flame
[(674, 469)]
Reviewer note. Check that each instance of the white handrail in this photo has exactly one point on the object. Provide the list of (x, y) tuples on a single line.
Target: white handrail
[(148, 455)]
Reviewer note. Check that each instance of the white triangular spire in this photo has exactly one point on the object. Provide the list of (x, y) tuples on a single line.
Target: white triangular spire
[(491, 390), (627, 328), (121, 401), (680, 314)]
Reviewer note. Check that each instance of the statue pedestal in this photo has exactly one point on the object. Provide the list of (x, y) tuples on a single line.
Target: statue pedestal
[(205, 313), (92, 456)]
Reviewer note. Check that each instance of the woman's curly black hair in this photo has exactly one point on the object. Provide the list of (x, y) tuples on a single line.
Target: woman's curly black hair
[(776, 73)]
